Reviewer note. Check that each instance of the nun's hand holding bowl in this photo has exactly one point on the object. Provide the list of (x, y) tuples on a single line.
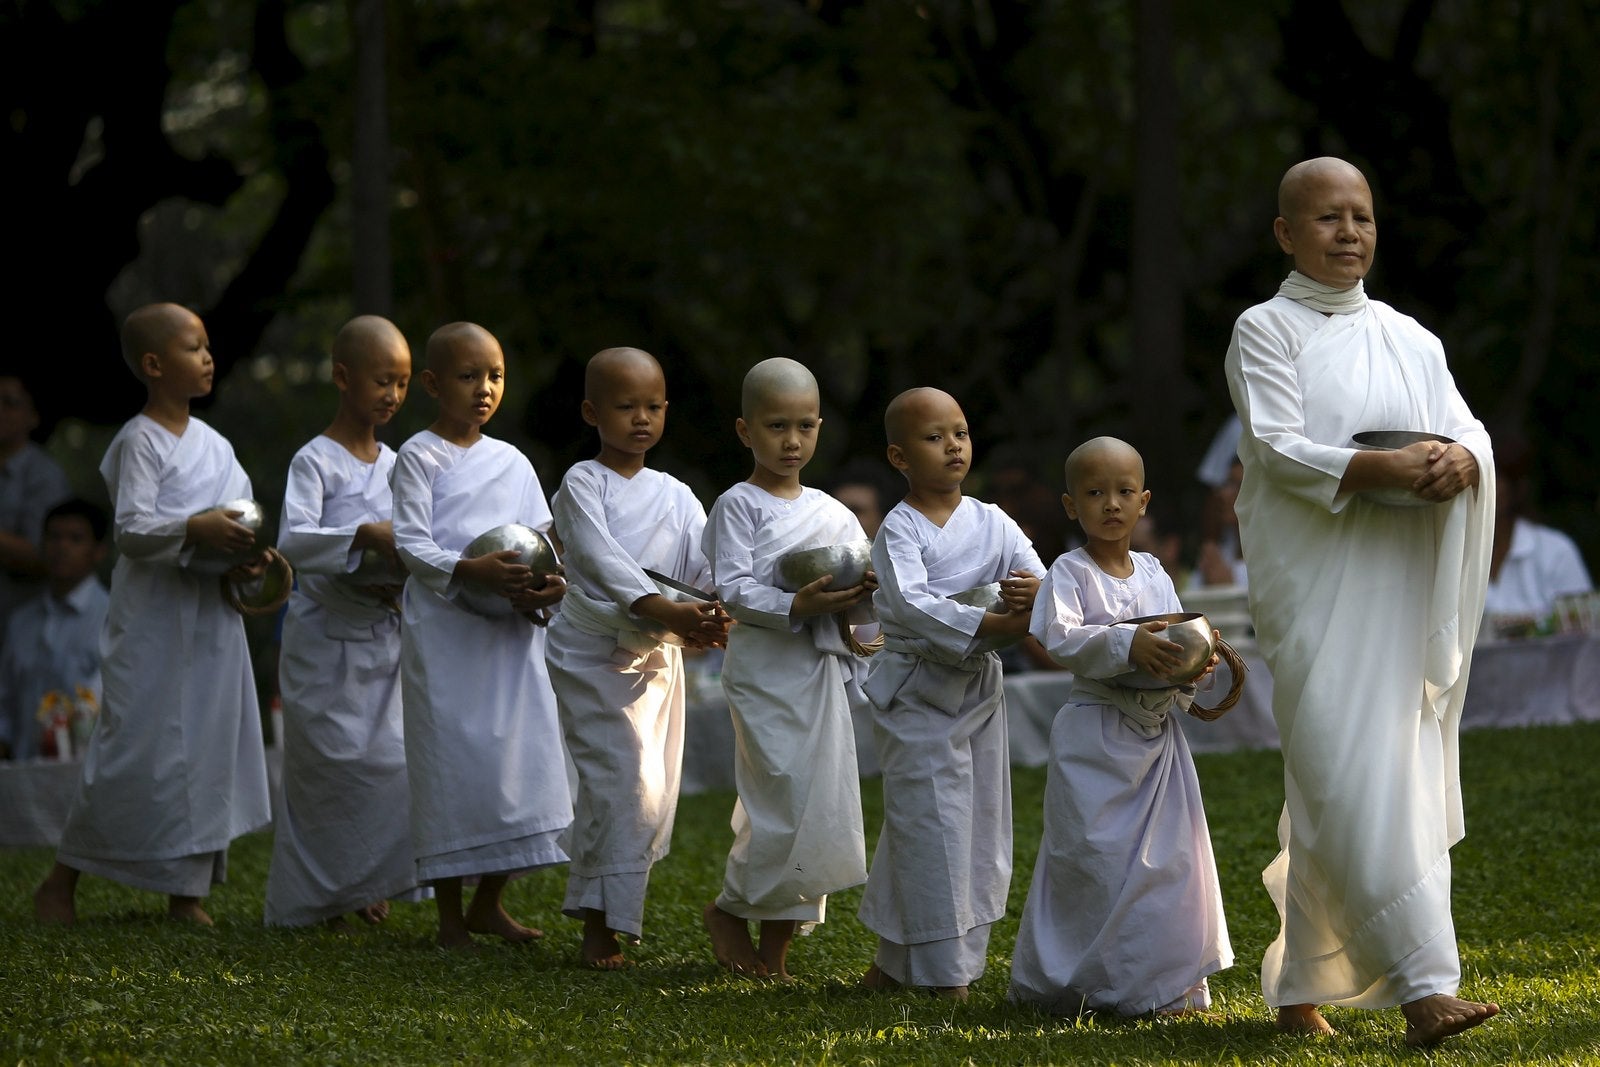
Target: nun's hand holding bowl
[(1452, 470), (817, 598), (1154, 654), (539, 592), (220, 531), (497, 572)]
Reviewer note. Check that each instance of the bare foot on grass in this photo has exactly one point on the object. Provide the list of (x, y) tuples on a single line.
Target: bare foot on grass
[(602, 949), (54, 904), (1432, 1019), (957, 993), (188, 910), (457, 940), (374, 913), (773, 951), (1303, 1019), (499, 923), (730, 942), (877, 981)]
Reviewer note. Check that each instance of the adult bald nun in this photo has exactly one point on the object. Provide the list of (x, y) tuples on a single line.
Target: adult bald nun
[(1366, 614)]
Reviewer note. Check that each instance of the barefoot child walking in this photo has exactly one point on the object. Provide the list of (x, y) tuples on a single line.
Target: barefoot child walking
[(341, 839), (942, 867), (176, 767), (1125, 911), (797, 822), (619, 686), (489, 792)]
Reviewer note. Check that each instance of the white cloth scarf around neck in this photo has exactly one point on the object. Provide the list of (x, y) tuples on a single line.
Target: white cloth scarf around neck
[(1325, 298)]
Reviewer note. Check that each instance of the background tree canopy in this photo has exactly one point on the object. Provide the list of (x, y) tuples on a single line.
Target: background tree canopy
[(1052, 209)]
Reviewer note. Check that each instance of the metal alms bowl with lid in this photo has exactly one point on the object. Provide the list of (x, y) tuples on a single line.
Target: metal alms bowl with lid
[(534, 551), (847, 562), (208, 560), (1389, 441), (1192, 631)]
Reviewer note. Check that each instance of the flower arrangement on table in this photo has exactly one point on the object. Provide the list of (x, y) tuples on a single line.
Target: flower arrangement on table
[(66, 720)]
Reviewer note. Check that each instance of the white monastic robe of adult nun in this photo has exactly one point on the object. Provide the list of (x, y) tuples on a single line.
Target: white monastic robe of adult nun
[(483, 744), (942, 866), (1125, 910), (620, 689), (176, 767), (1366, 613), (342, 835), (797, 822)]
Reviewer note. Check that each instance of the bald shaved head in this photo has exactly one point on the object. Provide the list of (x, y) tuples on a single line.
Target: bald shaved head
[(1099, 451), (1296, 180), (365, 337), (151, 329), (610, 366), (773, 378), (914, 406), (451, 339)]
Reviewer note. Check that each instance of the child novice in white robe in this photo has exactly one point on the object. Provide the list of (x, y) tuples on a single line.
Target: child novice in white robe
[(942, 868), (1125, 912), (176, 767), (341, 839), (489, 795), (797, 823), (619, 685)]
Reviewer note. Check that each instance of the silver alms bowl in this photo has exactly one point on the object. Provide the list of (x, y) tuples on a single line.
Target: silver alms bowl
[(986, 597), (848, 563), (211, 561), (534, 551), (677, 591), (1389, 441), (1190, 629)]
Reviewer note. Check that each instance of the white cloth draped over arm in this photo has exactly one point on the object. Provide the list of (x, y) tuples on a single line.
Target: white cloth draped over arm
[(597, 561), (1087, 650), (730, 546), (311, 546), (152, 512), (412, 482)]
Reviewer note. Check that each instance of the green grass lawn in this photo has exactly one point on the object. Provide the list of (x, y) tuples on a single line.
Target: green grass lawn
[(125, 986)]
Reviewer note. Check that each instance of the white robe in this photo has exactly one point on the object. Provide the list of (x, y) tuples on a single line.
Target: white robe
[(176, 767), (483, 744), (342, 835), (797, 822), (942, 866), (1366, 615), (1125, 910), (619, 688)]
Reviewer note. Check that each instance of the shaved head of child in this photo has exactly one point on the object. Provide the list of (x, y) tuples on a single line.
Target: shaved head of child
[(365, 338), (450, 341), (916, 406), (611, 366), (1097, 452), (152, 329), (773, 378)]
